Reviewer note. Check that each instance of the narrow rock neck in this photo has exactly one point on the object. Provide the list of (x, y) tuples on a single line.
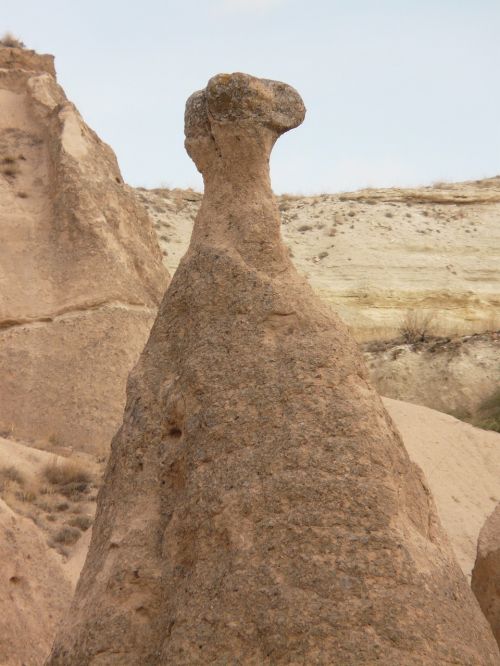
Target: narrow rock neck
[(239, 210)]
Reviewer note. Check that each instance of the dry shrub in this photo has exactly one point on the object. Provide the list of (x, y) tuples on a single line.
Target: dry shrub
[(63, 472), (488, 414), (10, 171), (27, 494), (82, 522), (415, 326), (12, 42), (67, 535), (11, 474)]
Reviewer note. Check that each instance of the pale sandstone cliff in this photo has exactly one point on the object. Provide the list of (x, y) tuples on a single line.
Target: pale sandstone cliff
[(80, 271), (374, 254), (259, 506)]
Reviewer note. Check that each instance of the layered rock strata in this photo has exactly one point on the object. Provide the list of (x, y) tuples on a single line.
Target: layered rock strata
[(80, 270), (486, 572), (259, 506), (376, 255)]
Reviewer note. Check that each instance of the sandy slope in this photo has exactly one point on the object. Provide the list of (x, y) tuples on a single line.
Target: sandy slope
[(462, 466)]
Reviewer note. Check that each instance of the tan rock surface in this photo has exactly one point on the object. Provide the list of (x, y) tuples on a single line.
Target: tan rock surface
[(461, 465), (374, 254), (34, 592), (486, 572), (43, 540), (259, 506), (80, 271)]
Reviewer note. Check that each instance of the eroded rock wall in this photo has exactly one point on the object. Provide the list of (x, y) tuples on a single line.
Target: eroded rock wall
[(80, 270)]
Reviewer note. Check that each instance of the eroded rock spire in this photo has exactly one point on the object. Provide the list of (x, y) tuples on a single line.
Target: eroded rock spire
[(231, 128), (259, 506)]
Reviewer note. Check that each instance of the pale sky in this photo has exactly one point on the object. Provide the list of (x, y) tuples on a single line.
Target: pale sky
[(398, 92)]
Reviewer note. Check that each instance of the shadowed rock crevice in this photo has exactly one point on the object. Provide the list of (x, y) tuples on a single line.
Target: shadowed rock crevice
[(259, 506)]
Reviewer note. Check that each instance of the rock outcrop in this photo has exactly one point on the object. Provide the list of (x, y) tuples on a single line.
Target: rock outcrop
[(453, 375), (486, 572), (34, 592), (259, 506), (80, 270)]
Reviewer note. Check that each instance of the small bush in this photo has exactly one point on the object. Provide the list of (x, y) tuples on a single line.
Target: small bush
[(26, 495), (74, 489), (415, 326), (82, 522), (11, 474), (67, 535), (63, 472), (305, 227), (22, 195), (488, 414), (10, 172), (9, 41)]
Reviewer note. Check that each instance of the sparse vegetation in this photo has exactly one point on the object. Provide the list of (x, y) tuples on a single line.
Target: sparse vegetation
[(61, 473), (81, 522), (415, 326), (67, 535), (11, 42), (10, 474), (27, 494), (9, 171), (488, 414)]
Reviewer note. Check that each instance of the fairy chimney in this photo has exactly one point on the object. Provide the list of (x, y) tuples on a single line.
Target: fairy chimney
[(259, 506)]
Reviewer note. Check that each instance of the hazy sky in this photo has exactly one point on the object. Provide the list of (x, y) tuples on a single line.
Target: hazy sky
[(398, 92)]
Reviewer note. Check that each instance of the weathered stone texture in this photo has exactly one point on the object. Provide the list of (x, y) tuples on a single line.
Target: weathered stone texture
[(259, 506), (81, 275)]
